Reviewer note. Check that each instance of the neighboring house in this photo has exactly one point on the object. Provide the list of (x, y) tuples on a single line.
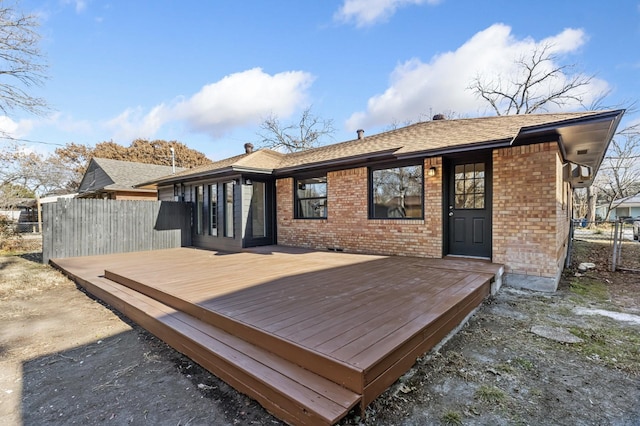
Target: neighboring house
[(496, 188), (624, 208), (26, 211), (18, 209), (117, 180)]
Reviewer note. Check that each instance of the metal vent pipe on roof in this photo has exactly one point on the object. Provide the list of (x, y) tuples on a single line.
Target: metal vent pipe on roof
[(248, 148), (439, 117), (360, 133)]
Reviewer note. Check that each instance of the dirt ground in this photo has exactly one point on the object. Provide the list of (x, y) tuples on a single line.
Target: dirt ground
[(65, 358)]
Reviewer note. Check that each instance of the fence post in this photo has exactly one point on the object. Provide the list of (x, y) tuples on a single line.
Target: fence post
[(615, 247), (620, 241)]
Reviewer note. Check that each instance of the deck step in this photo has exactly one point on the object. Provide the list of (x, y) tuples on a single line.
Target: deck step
[(288, 391), (333, 369)]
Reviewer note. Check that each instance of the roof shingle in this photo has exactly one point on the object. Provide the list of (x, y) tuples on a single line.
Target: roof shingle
[(127, 174), (423, 137)]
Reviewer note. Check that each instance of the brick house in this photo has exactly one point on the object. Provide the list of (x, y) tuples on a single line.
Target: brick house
[(497, 188)]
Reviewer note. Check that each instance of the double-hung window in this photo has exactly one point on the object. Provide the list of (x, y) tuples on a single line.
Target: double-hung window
[(311, 198), (396, 192)]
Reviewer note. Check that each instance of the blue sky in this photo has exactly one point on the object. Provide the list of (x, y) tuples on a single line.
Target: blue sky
[(207, 73)]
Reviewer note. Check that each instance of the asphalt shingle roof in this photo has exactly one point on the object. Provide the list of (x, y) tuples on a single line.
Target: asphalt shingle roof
[(424, 137), (127, 174), (431, 136)]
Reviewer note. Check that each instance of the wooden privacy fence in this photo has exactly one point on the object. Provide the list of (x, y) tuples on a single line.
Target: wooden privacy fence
[(85, 227)]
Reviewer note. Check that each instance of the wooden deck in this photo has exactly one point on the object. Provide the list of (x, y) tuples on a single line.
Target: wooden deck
[(307, 334)]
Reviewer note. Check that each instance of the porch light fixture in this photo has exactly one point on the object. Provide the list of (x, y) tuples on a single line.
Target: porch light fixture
[(431, 171), (247, 181)]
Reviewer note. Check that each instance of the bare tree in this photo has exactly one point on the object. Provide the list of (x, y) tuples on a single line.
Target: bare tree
[(591, 204), (21, 62), (537, 84), (619, 174), (307, 133), (23, 172)]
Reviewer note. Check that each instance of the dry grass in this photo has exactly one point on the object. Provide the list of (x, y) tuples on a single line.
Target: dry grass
[(22, 279), (22, 276)]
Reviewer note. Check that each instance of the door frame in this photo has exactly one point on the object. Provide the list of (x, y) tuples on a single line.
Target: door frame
[(448, 172), (270, 214)]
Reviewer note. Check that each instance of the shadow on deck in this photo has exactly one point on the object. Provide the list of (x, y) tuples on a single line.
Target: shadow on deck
[(308, 334)]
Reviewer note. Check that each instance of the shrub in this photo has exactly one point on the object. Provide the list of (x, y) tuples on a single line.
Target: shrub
[(10, 238)]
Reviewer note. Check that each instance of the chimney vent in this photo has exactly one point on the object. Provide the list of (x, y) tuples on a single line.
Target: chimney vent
[(360, 133), (439, 117), (248, 148)]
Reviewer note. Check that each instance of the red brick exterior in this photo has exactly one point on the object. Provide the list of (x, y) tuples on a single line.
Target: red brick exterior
[(347, 225), (531, 208), (531, 213)]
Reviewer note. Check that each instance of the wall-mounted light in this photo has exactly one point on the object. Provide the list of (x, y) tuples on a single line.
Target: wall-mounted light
[(248, 181), (431, 171)]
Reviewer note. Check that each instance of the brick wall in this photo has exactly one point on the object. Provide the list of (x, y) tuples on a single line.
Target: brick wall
[(564, 207), (347, 225), (530, 210)]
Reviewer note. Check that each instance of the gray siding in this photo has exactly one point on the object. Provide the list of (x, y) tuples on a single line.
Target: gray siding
[(85, 227), (94, 178), (165, 193)]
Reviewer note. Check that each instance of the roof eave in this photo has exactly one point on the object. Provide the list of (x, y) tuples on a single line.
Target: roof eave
[(229, 170), (582, 141)]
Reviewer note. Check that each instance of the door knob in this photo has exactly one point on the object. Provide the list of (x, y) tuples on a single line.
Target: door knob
[(450, 213)]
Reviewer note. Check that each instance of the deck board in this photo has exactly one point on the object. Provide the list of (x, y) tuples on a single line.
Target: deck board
[(357, 320), (288, 297)]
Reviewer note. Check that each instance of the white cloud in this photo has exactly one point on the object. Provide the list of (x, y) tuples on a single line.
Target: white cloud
[(132, 123), (441, 85), (67, 124), (15, 129), (369, 12), (244, 98), (237, 100), (567, 41)]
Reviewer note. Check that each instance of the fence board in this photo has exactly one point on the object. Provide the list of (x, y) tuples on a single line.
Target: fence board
[(86, 227)]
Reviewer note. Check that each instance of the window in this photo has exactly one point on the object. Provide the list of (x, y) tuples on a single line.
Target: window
[(311, 198), (258, 213), (213, 209), (396, 193), (199, 209), (228, 209), (469, 186)]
